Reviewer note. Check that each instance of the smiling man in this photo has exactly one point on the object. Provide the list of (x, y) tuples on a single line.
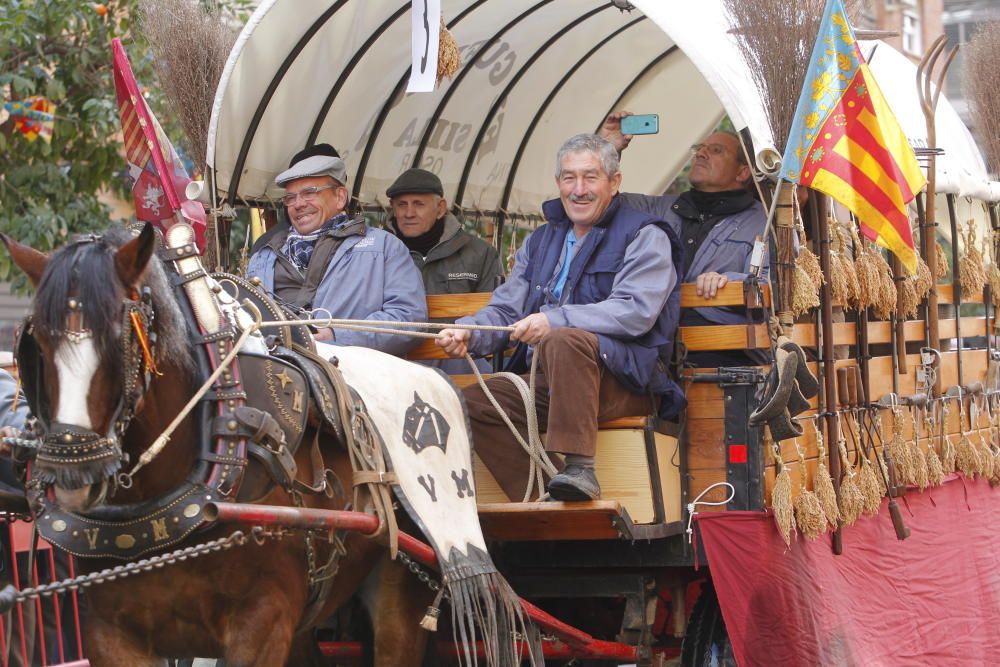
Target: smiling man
[(325, 261), (717, 220), (593, 293)]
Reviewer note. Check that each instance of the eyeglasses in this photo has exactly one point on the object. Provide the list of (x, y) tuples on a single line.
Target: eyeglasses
[(713, 149), (307, 194)]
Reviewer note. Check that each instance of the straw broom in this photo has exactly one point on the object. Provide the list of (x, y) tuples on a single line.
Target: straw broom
[(823, 483), (982, 88), (190, 44), (809, 515), (781, 495)]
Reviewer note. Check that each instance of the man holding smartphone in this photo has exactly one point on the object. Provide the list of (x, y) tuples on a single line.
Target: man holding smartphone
[(717, 220)]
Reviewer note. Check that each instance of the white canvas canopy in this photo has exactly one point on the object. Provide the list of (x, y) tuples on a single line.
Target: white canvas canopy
[(533, 73)]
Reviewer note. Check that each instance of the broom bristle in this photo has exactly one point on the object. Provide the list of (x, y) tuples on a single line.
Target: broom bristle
[(826, 494), (942, 261), (921, 471), (449, 56), (923, 281), (190, 45), (935, 470), (781, 504), (871, 490), (852, 500), (776, 40), (809, 516), (967, 458), (982, 87), (971, 268)]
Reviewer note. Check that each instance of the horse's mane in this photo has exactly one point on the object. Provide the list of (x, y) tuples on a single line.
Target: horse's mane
[(86, 269)]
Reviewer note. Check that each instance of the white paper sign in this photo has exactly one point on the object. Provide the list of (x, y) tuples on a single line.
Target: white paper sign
[(426, 28)]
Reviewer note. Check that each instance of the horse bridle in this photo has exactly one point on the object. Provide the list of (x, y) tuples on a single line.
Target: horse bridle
[(69, 454)]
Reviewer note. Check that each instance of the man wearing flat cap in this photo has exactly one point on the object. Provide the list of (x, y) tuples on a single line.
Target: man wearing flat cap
[(451, 260), (323, 260)]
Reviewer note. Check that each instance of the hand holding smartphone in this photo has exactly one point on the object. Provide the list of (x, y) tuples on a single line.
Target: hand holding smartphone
[(641, 124)]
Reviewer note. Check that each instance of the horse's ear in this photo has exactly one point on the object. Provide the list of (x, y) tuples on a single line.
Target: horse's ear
[(133, 257), (31, 261)]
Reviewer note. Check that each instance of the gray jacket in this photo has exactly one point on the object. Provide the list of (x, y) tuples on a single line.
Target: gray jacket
[(460, 263), (370, 277), (637, 296), (9, 416), (726, 250)]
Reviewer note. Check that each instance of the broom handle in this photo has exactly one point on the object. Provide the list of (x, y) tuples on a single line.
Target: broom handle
[(956, 282), (829, 377)]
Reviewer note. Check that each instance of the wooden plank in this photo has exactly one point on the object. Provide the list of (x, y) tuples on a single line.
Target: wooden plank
[(450, 306), (623, 422), (597, 520), (426, 349), (730, 295), (721, 337)]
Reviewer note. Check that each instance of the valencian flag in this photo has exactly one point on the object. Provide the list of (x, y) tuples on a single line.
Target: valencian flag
[(846, 142), (157, 173), (33, 117)]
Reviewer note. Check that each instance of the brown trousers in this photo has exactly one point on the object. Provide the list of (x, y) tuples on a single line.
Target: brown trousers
[(574, 391)]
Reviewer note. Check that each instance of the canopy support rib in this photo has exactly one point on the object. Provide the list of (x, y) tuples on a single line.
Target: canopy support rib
[(453, 88), (384, 112), (234, 180), (342, 79), (502, 97)]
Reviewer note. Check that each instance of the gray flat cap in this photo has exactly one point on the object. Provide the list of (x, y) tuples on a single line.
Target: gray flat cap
[(317, 165)]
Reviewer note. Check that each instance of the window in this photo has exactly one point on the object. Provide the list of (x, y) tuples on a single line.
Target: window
[(912, 42)]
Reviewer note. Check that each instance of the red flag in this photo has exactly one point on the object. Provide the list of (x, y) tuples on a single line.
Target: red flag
[(157, 173)]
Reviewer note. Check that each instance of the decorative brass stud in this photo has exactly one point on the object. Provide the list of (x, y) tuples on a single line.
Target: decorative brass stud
[(232, 425), (124, 541), (59, 525), (191, 510)]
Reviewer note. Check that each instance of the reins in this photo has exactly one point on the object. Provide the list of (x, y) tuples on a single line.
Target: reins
[(539, 462)]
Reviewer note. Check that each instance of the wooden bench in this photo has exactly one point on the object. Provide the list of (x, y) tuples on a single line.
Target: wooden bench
[(637, 463)]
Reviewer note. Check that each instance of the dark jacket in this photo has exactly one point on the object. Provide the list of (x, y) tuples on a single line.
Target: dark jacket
[(460, 263), (726, 250)]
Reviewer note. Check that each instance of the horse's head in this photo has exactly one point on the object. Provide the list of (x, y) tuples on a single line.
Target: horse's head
[(85, 356)]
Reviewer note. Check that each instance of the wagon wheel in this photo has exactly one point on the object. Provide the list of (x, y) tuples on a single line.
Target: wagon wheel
[(706, 643)]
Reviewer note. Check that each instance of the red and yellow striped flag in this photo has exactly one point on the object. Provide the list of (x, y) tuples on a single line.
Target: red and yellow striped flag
[(846, 142), (158, 175)]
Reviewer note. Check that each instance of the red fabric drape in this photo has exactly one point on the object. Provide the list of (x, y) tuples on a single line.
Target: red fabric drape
[(933, 599)]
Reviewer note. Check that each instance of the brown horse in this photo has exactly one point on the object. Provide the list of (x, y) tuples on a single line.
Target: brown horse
[(100, 303)]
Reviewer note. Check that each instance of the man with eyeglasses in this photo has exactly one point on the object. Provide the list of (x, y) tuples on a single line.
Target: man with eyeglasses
[(336, 266), (717, 220)]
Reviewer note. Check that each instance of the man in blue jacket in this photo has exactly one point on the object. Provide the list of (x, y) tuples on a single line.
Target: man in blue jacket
[(334, 265), (593, 293)]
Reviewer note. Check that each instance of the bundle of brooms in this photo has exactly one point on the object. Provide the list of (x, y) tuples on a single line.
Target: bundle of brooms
[(777, 39), (982, 89)]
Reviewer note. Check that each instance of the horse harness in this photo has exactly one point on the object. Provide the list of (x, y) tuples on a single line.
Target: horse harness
[(236, 426)]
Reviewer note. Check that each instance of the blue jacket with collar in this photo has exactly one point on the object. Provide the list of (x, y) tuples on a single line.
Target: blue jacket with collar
[(640, 362), (370, 277)]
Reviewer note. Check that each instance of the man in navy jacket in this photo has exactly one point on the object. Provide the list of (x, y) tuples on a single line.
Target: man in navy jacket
[(594, 294)]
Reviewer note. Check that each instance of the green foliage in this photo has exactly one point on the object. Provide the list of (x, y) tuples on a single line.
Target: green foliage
[(62, 49)]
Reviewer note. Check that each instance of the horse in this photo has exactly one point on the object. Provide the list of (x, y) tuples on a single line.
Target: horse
[(108, 361)]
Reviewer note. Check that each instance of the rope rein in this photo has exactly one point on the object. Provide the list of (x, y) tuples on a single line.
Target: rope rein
[(539, 463)]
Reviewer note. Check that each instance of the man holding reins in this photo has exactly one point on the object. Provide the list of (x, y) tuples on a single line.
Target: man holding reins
[(594, 294), (338, 266)]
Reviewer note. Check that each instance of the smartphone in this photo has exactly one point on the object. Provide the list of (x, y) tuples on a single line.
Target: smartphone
[(641, 124)]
